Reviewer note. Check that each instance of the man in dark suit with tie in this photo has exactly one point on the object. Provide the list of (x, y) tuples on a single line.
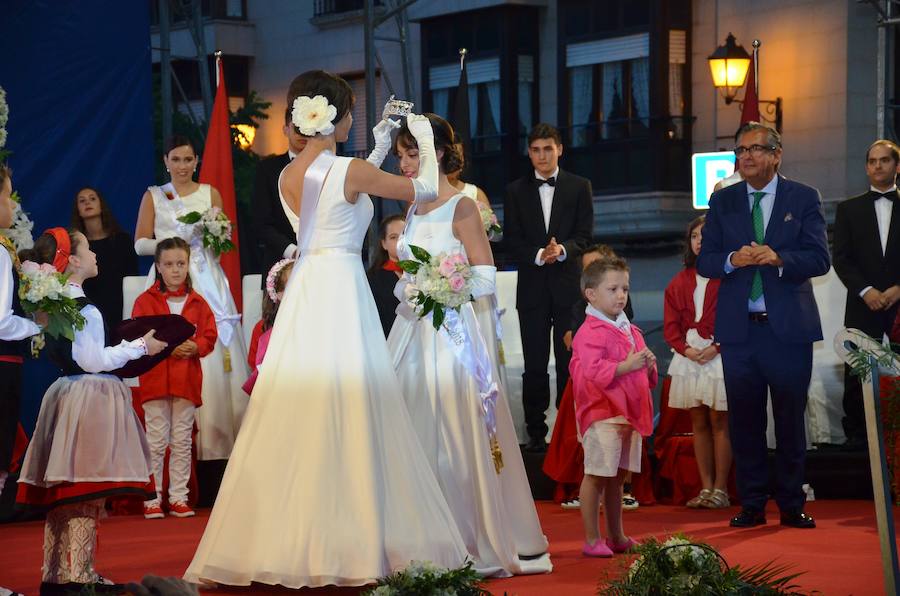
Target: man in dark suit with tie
[(866, 252), (547, 223), (277, 235), (765, 238)]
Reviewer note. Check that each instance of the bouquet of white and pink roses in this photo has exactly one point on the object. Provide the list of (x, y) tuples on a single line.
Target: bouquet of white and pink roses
[(215, 229), (438, 283), (489, 220), (41, 288), (20, 230)]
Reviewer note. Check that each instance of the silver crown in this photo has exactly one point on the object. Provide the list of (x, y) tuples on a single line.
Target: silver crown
[(397, 107)]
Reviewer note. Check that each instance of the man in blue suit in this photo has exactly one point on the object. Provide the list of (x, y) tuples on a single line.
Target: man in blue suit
[(765, 238)]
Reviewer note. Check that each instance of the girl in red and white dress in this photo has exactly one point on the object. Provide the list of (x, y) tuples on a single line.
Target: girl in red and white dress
[(88, 443), (276, 281), (170, 392), (698, 382)]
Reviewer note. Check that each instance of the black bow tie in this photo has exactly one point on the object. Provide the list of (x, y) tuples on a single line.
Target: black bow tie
[(890, 195), (551, 181)]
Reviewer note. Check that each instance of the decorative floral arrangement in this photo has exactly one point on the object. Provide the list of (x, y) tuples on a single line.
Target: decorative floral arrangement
[(214, 227), (489, 220), (20, 231), (690, 568), (4, 118), (272, 278), (313, 115), (41, 288), (439, 283), (423, 578)]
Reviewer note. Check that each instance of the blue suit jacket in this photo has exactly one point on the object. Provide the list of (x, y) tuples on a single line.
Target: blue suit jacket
[(796, 232)]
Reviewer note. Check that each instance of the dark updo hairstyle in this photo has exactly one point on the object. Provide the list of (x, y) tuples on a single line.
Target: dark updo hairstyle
[(690, 259), (444, 138), (169, 244), (44, 249), (319, 82), (177, 141), (381, 255), (107, 219)]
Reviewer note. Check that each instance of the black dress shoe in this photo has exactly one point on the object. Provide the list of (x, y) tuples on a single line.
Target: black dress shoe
[(748, 518), (536, 445), (76, 589), (797, 519)]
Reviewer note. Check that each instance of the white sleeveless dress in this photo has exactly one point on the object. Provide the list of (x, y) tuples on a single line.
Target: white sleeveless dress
[(224, 401), (327, 483), (495, 513)]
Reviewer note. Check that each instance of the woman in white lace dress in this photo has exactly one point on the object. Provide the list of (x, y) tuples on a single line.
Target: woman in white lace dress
[(225, 368), (327, 483), (449, 389)]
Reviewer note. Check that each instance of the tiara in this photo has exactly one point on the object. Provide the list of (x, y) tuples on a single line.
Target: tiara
[(397, 107), (273, 275)]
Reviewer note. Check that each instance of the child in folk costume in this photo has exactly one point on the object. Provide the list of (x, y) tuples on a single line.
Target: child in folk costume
[(170, 392), (612, 374), (15, 329), (276, 281), (88, 443), (698, 381)]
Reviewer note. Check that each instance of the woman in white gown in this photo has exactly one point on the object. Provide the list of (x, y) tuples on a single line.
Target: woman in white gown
[(327, 483), (225, 368), (493, 509)]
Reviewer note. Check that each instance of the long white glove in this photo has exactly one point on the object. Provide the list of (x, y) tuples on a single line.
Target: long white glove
[(145, 246), (426, 183), (484, 280), (382, 134)]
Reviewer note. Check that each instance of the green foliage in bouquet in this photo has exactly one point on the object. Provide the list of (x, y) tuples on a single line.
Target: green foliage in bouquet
[(422, 578), (215, 229), (682, 567)]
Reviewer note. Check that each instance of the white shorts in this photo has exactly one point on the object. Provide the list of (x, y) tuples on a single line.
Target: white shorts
[(609, 447)]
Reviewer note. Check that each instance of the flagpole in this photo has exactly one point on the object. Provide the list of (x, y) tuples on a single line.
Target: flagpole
[(218, 54), (756, 44), (462, 57)]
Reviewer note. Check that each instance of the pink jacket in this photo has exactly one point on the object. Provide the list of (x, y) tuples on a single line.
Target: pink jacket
[(597, 349)]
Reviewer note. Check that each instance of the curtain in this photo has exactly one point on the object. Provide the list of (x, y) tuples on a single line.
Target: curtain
[(440, 99), (581, 86), (676, 98), (524, 111), (614, 112), (473, 110), (493, 92), (640, 90)]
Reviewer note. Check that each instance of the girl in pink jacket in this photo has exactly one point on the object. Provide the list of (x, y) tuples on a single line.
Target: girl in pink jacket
[(612, 372)]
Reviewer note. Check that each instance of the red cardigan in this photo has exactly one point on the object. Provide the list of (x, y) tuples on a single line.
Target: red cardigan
[(177, 377), (678, 311)]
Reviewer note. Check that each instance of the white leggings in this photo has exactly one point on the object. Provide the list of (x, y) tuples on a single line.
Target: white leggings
[(169, 422)]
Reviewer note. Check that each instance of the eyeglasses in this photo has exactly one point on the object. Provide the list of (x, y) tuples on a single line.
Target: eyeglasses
[(754, 150)]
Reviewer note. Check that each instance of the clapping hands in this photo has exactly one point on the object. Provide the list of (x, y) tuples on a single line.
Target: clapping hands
[(551, 252)]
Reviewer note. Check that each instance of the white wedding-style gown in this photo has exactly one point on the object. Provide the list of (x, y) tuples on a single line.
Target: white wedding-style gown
[(495, 512), (327, 483), (225, 368)]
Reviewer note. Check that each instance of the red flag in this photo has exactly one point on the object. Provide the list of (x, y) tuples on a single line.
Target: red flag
[(218, 171), (750, 109)]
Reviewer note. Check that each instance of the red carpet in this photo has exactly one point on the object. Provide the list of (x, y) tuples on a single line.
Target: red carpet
[(841, 556)]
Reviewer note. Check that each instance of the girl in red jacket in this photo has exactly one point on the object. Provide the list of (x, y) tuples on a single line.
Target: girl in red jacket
[(698, 383), (170, 392)]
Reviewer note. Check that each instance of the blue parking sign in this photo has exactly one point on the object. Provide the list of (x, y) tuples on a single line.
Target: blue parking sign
[(706, 170)]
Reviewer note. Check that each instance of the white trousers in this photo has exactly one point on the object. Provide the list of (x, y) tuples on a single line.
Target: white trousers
[(169, 422)]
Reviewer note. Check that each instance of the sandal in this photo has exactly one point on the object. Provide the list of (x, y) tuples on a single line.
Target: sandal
[(697, 501), (718, 499)]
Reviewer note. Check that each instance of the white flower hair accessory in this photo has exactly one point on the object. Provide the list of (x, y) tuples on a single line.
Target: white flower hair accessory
[(313, 115), (273, 276)]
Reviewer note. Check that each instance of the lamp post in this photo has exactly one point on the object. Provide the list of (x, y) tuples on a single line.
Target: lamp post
[(729, 66)]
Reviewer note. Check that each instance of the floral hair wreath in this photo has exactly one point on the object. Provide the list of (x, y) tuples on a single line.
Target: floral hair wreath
[(313, 115), (272, 277)]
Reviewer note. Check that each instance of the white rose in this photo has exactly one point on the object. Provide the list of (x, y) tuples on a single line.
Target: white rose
[(313, 115)]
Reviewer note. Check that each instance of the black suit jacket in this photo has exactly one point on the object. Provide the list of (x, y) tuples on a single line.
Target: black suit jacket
[(274, 231), (858, 261), (571, 223)]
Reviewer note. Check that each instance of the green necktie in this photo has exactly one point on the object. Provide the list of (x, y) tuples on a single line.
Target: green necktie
[(759, 230)]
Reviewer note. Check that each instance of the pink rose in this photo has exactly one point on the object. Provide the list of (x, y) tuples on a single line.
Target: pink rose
[(30, 267), (447, 267), (458, 259), (48, 268), (457, 282)]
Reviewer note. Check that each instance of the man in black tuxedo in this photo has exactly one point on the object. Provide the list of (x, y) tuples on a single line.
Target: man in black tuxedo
[(548, 221), (277, 234), (866, 255)]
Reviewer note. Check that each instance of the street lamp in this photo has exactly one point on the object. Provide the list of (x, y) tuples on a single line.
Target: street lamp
[(729, 65)]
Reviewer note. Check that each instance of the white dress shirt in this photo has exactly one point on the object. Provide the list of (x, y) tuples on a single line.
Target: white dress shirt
[(884, 208), (12, 326), (89, 350), (546, 193)]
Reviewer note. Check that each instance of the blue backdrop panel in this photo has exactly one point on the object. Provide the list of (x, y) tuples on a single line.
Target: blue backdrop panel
[(78, 83)]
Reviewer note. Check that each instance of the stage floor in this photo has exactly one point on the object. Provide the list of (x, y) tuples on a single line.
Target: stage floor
[(840, 557)]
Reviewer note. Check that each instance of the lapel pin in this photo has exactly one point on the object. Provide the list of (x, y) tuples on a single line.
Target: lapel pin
[(788, 217)]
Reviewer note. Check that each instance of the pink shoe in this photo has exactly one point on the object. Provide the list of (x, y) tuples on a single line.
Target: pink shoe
[(598, 549), (624, 547)]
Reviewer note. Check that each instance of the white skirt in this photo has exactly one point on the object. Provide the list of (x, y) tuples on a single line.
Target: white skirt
[(610, 446), (87, 431), (694, 384)]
